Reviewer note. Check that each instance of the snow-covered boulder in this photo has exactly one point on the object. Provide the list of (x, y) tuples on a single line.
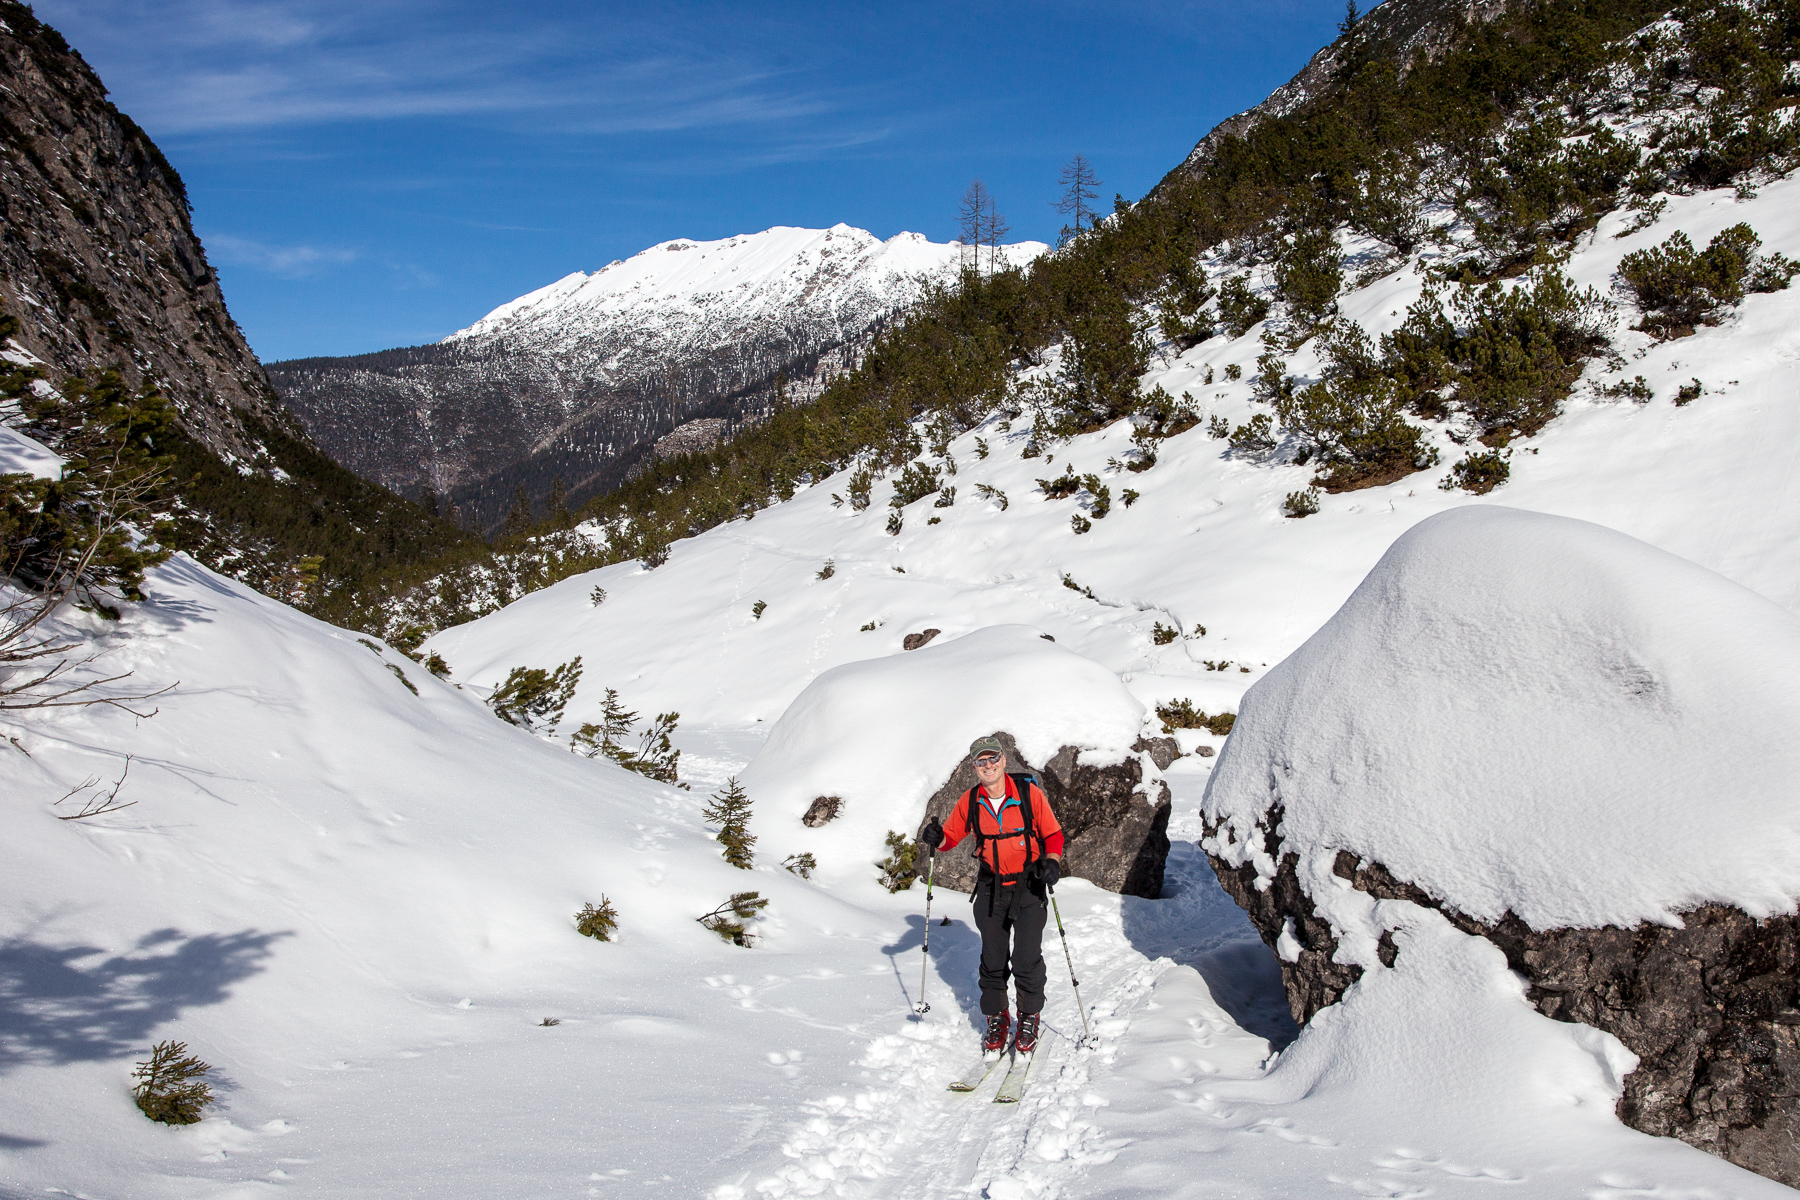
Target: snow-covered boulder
[(1570, 743), (883, 736)]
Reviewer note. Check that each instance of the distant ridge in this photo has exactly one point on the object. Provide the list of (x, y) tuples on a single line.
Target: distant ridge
[(579, 379)]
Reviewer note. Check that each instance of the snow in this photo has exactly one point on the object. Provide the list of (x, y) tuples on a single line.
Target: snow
[(1530, 714), (357, 902), (22, 454), (751, 275), (885, 734)]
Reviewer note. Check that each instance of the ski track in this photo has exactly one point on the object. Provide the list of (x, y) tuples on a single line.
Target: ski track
[(905, 1134)]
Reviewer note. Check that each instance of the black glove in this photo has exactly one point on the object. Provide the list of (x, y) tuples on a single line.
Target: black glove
[(1049, 871), (932, 836)]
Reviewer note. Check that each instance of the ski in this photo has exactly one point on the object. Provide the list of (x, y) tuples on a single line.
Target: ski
[(972, 1078), (1014, 1084)]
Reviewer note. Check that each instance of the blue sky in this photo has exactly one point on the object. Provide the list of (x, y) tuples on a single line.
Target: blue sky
[(375, 173)]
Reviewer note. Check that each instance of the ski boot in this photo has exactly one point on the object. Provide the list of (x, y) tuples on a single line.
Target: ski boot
[(998, 1030), (1025, 1041)]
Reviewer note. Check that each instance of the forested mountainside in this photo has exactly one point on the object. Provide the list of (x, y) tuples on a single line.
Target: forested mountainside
[(1477, 151), (106, 291), (578, 380)]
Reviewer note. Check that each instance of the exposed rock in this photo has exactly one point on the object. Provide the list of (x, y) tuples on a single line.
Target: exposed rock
[(98, 259), (1116, 835), (1712, 1010), (1162, 750), (820, 811), (913, 641), (1204, 751), (694, 437)]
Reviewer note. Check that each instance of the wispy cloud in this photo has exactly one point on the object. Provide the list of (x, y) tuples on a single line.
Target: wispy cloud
[(200, 66), (292, 262)]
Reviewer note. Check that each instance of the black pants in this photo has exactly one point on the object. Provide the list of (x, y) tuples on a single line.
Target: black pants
[(1012, 915)]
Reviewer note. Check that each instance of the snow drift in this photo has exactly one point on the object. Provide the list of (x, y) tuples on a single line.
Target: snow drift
[(1530, 714), (884, 734)]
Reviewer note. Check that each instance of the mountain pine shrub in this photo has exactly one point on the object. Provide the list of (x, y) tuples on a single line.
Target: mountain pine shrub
[(988, 492), (828, 570), (168, 1087), (728, 919), (729, 809), (1182, 322), (1309, 276), (1678, 288), (1301, 504), (1255, 436), (1353, 419), (916, 482), (532, 696), (598, 921), (758, 609), (1080, 524), (802, 865), (1480, 473), (1239, 309), (901, 866), (1162, 635), (1181, 714)]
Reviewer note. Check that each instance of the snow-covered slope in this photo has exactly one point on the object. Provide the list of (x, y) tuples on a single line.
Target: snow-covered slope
[(579, 378), (1446, 1074)]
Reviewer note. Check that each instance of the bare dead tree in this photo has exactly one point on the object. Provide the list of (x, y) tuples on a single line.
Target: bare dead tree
[(97, 804), (1080, 184), (972, 221), (993, 231)]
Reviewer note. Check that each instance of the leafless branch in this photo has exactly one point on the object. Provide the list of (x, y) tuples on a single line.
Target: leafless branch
[(97, 804)]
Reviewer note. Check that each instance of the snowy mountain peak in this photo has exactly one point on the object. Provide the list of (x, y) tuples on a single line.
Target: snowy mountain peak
[(841, 270)]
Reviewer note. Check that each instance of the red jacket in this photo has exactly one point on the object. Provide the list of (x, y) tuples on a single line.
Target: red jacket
[(1006, 855)]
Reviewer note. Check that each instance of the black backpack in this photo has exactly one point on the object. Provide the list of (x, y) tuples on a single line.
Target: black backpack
[(1034, 845)]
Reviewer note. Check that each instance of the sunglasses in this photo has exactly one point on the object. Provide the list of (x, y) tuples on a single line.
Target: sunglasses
[(986, 760)]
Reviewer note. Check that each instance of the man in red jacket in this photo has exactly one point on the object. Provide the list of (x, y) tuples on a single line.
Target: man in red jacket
[(1020, 844)]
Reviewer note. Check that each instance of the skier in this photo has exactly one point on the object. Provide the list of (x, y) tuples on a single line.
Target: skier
[(1019, 844)]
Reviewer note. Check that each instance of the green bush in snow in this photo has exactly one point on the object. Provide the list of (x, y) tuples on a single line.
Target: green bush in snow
[(168, 1087)]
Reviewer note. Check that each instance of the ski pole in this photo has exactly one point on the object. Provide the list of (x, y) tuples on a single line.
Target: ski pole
[(925, 963), (1087, 1035)]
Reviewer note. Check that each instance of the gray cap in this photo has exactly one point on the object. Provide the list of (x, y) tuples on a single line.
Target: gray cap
[(983, 745)]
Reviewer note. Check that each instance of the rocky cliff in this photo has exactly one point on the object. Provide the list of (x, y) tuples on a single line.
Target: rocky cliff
[(100, 264), (98, 258)]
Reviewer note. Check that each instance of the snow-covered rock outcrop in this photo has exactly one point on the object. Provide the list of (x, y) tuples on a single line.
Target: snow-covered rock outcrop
[(579, 378), (1572, 744), (883, 735)]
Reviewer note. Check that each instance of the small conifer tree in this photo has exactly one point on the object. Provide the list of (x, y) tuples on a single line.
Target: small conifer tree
[(598, 921), (901, 866), (533, 696), (802, 865), (728, 919), (729, 809), (168, 1089)]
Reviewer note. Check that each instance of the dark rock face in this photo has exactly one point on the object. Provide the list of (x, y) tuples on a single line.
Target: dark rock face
[(913, 641), (98, 260), (1116, 835), (1712, 1010)]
